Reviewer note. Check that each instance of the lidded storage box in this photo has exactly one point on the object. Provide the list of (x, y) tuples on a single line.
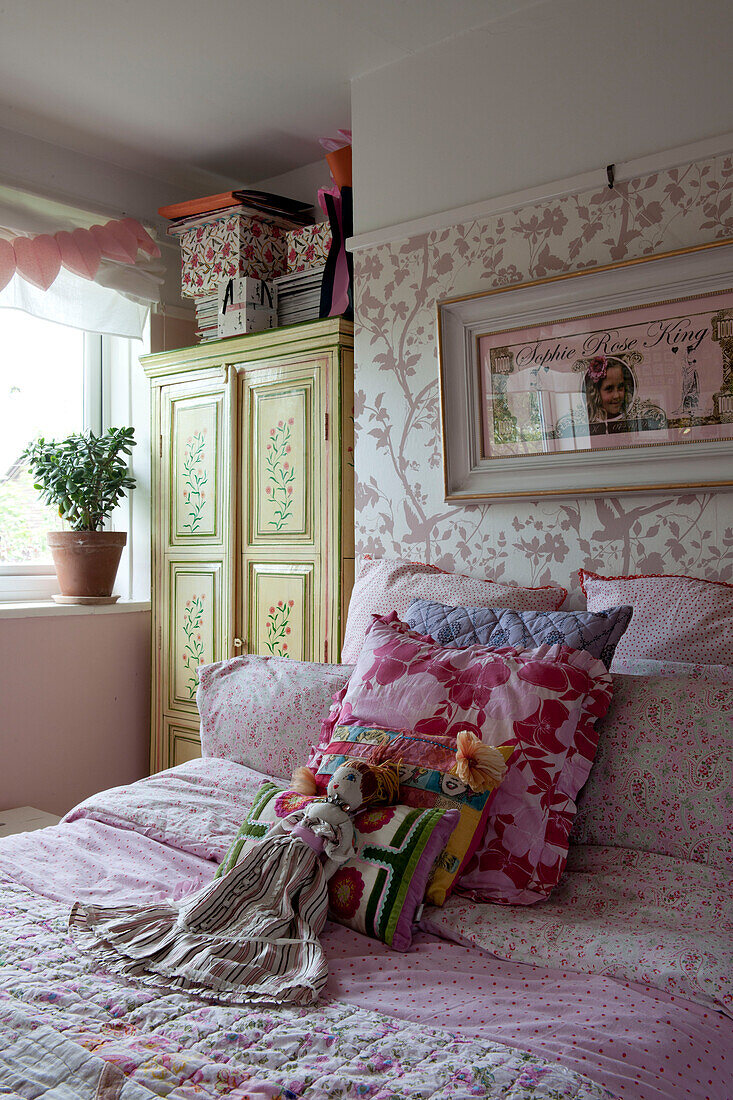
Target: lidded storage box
[(307, 247), (226, 245), (245, 305)]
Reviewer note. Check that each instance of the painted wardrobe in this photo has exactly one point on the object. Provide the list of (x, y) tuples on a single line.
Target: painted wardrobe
[(253, 510)]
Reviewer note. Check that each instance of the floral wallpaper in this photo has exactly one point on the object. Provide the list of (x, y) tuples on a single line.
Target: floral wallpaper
[(400, 510)]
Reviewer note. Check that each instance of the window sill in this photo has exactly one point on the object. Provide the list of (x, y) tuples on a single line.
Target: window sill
[(42, 609)]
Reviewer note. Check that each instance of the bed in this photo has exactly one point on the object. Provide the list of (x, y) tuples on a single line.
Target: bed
[(617, 984)]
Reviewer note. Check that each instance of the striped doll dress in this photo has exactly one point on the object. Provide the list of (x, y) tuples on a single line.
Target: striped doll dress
[(249, 936)]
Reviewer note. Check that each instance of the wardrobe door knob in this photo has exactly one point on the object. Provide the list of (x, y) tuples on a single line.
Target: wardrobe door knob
[(238, 643)]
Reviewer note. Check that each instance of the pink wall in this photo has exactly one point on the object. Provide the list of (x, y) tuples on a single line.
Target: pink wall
[(400, 505), (168, 332), (74, 706)]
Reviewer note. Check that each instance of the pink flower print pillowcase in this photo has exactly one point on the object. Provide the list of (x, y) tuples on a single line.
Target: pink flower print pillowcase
[(265, 712), (385, 585), (662, 778), (675, 618), (546, 701)]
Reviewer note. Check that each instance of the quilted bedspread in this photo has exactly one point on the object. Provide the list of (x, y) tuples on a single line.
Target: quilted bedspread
[(69, 1030)]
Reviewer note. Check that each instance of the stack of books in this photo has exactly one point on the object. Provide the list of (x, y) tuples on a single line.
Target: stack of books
[(207, 317), (299, 296)]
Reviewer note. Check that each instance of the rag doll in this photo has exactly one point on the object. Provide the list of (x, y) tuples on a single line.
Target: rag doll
[(251, 935)]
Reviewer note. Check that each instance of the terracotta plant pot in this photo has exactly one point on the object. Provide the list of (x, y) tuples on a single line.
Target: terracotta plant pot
[(86, 561)]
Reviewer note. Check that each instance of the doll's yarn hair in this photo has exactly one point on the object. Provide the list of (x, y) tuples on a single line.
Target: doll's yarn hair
[(379, 782)]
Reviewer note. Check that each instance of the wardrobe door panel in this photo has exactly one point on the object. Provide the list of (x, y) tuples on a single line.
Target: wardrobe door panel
[(195, 634), (280, 598), (283, 498), (196, 427), (183, 743), (282, 448)]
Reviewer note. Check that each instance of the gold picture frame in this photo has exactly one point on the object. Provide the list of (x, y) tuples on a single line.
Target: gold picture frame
[(528, 374)]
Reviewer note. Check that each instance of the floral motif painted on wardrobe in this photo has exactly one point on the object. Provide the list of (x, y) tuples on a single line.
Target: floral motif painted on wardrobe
[(280, 471), (193, 646), (194, 478), (400, 510)]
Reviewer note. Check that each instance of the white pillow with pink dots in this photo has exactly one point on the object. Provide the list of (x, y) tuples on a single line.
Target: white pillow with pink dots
[(391, 584), (676, 618)]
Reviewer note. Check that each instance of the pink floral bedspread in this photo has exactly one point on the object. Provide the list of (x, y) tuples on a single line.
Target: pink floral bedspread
[(164, 835), (635, 915), (68, 1028)]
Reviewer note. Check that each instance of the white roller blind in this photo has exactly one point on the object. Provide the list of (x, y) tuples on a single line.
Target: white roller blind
[(115, 303)]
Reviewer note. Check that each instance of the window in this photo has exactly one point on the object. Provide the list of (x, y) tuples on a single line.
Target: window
[(54, 380)]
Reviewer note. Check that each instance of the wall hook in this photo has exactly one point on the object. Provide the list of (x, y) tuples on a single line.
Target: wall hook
[(610, 173)]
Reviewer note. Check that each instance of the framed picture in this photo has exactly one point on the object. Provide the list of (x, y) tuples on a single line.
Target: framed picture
[(617, 379)]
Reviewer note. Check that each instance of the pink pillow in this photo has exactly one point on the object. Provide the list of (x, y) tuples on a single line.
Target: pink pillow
[(265, 712), (661, 781), (545, 700), (675, 618), (385, 585)]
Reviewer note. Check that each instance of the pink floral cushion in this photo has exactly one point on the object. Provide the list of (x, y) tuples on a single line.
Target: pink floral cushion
[(675, 618), (545, 700), (662, 777), (385, 585), (265, 712)]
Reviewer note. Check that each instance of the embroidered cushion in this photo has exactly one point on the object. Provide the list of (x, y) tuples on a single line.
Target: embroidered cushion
[(425, 780), (385, 585), (675, 618), (546, 700), (598, 633), (265, 712), (380, 891), (662, 777)]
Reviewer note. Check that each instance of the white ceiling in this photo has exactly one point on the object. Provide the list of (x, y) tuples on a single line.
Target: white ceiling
[(201, 92)]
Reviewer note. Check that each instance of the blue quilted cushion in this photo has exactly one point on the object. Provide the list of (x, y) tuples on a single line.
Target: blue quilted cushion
[(597, 632)]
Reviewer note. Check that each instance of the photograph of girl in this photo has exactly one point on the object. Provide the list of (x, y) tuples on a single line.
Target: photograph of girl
[(609, 387)]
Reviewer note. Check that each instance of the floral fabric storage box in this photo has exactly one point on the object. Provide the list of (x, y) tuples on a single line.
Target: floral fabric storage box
[(307, 247), (228, 245)]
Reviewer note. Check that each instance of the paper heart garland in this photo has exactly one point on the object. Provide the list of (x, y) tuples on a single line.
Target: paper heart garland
[(37, 259), (125, 237), (7, 263), (121, 246), (144, 240), (79, 253)]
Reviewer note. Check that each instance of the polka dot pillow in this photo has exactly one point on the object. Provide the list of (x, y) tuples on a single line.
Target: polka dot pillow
[(675, 618), (385, 585)]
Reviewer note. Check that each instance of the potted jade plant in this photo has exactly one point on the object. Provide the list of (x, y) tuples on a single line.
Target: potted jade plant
[(84, 476)]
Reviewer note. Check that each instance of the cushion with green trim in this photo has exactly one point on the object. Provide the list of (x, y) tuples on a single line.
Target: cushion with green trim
[(426, 781), (379, 891)]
